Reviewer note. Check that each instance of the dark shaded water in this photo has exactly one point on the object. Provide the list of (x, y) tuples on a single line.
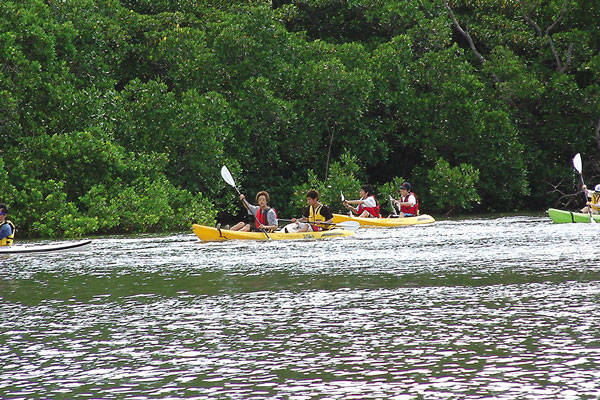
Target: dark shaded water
[(484, 308)]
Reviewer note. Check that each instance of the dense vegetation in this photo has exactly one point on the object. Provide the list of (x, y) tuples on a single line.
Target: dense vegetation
[(116, 116)]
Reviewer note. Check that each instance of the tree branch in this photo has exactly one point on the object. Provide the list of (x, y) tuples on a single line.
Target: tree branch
[(556, 57), (597, 133), (564, 199), (528, 18), (468, 37), (560, 17), (548, 33)]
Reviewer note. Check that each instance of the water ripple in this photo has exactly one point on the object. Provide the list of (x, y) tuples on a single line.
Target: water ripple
[(485, 308)]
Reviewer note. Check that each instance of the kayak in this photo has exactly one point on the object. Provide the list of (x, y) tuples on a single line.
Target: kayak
[(385, 222), (43, 248), (561, 216), (210, 234)]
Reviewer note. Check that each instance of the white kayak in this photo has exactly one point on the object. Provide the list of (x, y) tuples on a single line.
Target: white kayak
[(44, 248)]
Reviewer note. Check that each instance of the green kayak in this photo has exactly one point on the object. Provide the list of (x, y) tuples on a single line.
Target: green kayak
[(562, 217)]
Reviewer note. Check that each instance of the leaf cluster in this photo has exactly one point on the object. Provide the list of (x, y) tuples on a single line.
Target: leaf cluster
[(116, 116)]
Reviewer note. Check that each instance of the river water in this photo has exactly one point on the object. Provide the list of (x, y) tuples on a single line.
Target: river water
[(504, 307)]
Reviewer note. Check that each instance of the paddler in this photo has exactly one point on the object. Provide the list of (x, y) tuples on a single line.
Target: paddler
[(265, 216), (408, 203), (7, 228), (594, 204), (313, 214), (367, 206)]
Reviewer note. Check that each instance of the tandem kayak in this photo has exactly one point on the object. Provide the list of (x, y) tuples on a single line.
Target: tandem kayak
[(44, 248), (210, 234), (562, 217), (385, 222)]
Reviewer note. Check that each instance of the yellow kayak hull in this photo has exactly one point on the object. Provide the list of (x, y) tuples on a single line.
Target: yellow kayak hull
[(385, 222), (210, 234)]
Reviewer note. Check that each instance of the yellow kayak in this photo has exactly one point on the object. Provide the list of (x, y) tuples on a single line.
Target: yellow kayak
[(385, 222), (210, 234)]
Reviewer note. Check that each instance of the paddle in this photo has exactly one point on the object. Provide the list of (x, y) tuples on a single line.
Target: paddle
[(392, 204), (348, 225), (227, 177), (577, 165), (351, 213)]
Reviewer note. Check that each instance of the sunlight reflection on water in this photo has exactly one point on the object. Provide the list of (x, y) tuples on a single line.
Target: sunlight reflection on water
[(494, 308)]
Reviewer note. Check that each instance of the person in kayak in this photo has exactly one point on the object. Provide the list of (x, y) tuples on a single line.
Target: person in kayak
[(265, 216), (408, 203), (7, 228), (313, 214), (593, 205), (367, 206)]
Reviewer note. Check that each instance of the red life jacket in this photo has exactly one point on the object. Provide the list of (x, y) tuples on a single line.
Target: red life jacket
[(261, 217), (374, 211), (414, 210)]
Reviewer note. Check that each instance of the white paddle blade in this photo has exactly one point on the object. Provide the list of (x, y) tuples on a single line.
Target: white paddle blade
[(227, 176), (349, 225), (342, 197), (577, 162)]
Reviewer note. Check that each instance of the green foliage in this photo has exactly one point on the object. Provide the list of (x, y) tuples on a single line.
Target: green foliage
[(116, 115), (451, 188), (341, 179), (387, 190), (43, 210), (147, 206)]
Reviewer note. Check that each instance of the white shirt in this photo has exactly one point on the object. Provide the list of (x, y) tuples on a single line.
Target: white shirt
[(410, 199), (369, 202)]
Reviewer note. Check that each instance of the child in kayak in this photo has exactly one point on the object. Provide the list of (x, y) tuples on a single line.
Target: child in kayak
[(367, 206), (265, 217), (593, 205), (408, 203), (7, 228), (313, 214)]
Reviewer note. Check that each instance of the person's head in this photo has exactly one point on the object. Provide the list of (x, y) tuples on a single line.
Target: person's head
[(3, 211), (597, 188), (312, 196), (366, 190), (405, 188), (263, 195)]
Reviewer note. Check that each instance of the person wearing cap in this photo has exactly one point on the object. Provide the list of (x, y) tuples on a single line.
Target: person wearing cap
[(7, 228), (408, 203), (265, 216), (593, 205), (367, 206)]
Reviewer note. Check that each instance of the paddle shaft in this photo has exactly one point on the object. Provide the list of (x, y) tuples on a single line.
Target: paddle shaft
[(227, 177), (579, 169), (348, 225), (586, 200), (392, 204), (307, 222)]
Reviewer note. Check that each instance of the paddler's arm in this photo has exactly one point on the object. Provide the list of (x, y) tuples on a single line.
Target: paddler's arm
[(354, 201), (272, 220), (348, 202), (251, 209)]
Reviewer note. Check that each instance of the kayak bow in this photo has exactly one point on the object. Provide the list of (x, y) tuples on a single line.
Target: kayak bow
[(44, 248), (562, 216)]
